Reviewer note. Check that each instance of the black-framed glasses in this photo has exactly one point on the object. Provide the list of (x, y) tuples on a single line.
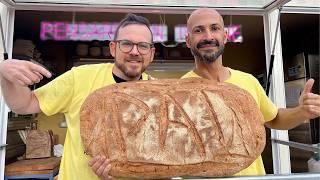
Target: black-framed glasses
[(126, 46)]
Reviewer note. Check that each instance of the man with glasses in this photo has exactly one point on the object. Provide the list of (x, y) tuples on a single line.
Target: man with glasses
[(133, 51)]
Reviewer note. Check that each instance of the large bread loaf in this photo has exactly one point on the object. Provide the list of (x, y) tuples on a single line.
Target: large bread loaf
[(165, 128)]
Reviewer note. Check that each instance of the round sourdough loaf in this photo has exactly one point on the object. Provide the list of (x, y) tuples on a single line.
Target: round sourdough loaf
[(169, 128)]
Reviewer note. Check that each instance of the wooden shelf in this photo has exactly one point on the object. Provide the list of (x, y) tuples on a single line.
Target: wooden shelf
[(77, 61), (96, 60)]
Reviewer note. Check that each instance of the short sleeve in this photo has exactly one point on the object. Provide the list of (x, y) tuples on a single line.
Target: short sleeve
[(56, 96), (267, 107)]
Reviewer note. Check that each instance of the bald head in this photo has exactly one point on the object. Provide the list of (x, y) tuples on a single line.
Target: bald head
[(201, 14), (206, 36)]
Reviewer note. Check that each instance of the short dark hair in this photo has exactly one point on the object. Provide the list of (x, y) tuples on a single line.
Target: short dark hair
[(133, 19)]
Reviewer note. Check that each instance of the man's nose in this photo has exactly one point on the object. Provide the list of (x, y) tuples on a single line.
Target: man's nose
[(134, 50), (208, 34)]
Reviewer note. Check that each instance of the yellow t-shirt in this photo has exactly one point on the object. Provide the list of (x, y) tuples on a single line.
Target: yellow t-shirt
[(65, 94), (269, 110)]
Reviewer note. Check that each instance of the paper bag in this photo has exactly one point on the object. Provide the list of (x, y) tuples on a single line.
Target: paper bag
[(39, 144)]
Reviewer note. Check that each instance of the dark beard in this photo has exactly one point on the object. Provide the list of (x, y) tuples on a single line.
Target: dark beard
[(207, 57), (129, 74)]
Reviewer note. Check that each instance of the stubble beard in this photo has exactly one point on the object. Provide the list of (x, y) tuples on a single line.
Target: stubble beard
[(129, 73), (209, 56)]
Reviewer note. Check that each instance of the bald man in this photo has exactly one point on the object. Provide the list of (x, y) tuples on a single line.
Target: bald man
[(206, 39)]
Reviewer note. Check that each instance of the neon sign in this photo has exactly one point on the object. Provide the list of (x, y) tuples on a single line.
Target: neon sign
[(160, 32), (180, 32), (234, 33), (63, 31), (82, 31)]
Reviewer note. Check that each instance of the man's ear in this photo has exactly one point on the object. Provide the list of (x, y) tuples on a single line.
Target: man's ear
[(153, 50), (188, 40), (225, 37), (113, 46)]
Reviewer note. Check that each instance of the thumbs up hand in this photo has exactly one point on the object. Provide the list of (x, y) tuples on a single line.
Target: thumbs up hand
[(309, 103)]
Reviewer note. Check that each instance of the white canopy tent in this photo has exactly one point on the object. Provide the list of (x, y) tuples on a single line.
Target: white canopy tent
[(269, 9), (171, 6)]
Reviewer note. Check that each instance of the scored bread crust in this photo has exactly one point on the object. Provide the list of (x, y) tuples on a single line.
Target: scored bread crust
[(169, 128)]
